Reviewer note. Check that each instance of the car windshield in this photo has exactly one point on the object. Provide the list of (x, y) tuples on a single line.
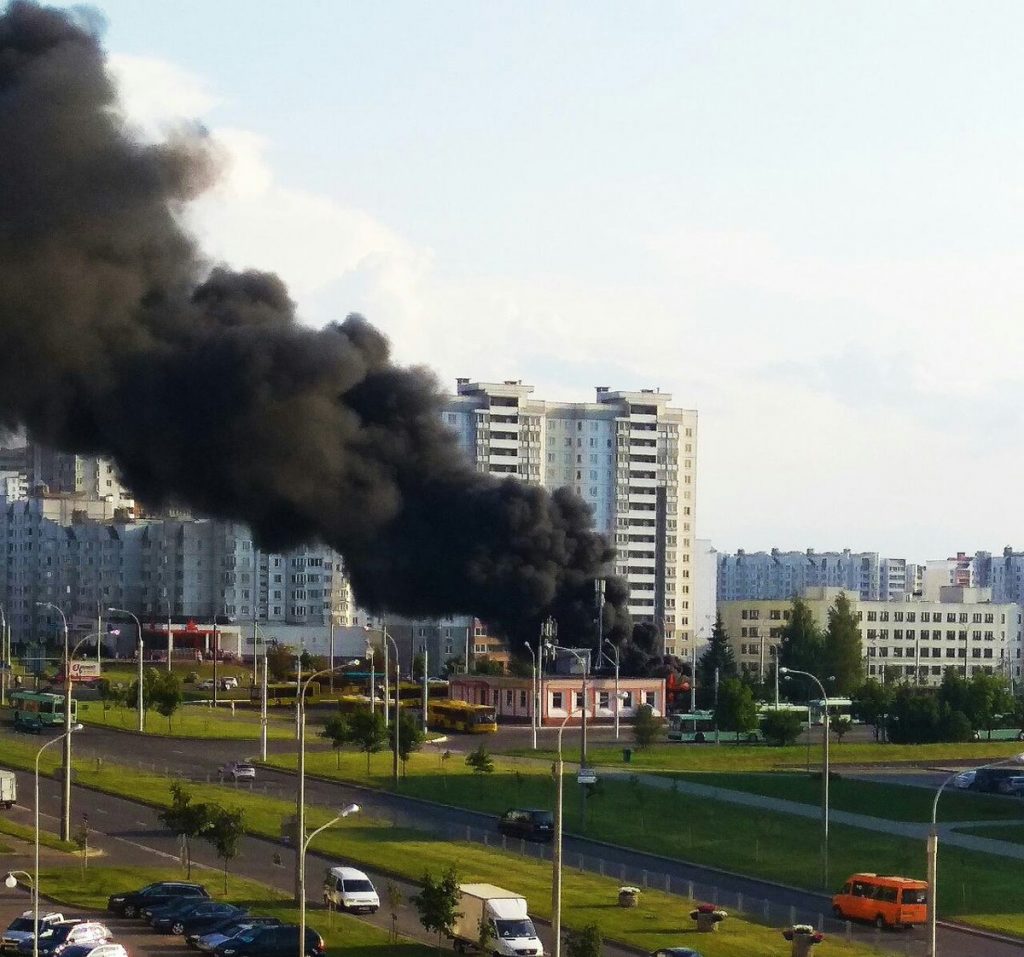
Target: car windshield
[(507, 929), (249, 935), (915, 896), (358, 887), (543, 817), (244, 767), (21, 923)]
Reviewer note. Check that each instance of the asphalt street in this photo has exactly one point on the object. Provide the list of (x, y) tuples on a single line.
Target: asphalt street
[(200, 761)]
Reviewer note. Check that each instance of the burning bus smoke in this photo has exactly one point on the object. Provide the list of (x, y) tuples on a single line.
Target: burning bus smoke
[(117, 338)]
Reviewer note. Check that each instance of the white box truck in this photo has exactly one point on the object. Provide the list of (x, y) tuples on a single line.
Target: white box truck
[(512, 933), (8, 788)]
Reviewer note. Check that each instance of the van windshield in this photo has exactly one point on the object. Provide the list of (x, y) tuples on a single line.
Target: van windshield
[(915, 895), (508, 929), (357, 887)]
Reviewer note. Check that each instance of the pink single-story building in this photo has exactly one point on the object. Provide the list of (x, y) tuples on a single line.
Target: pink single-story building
[(512, 698)]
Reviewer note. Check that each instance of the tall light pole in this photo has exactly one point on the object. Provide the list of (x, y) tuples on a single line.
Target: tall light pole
[(533, 694), (581, 659), (824, 772), (304, 845), (300, 794), (264, 719), (398, 703), (138, 625), (556, 846), (933, 849), (373, 687), (68, 731), (65, 792), (425, 681), (387, 677), (618, 700), (5, 657)]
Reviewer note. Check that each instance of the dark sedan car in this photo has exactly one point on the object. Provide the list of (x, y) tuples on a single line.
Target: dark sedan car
[(205, 918), (173, 908), (674, 952), (178, 921), (131, 903), (282, 941), (530, 824), (213, 937)]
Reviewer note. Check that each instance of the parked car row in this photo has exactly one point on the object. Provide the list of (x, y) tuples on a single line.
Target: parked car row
[(69, 938), (214, 927)]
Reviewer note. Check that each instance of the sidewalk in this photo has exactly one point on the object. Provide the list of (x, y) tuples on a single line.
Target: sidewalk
[(947, 830)]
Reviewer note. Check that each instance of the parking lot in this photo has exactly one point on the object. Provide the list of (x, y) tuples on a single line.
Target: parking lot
[(136, 936)]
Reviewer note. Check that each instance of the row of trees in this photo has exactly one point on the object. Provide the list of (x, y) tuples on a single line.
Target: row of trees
[(161, 692), (366, 731), (220, 826)]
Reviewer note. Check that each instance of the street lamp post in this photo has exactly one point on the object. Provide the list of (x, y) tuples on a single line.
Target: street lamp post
[(533, 693), (824, 773), (303, 847), (35, 883), (264, 718), (933, 849), (138, 625), (65, 794), (556, 847), (300, 795), (5, 662), (618, 699), (582, 661), (398, 701), (373, 687)]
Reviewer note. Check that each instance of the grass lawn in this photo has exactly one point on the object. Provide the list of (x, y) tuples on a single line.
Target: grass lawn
[(999, 832), (893, 801), (777, 847), (660, 920), (189, 721), (344, 936), (733, 757), (27, 833)]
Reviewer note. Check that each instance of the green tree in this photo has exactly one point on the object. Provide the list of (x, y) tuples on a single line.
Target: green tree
[(737, 709), (453, 666), (840, 727), (410, 738), (781, 728), (280, 661), (872, 701), (718, 654), (646, 727), (338, 731), (185, 819), (418, 664), (585, 942), (482, 665), (367, 733), (166, 694), (802, 645), (225, 831), (437, 903), (481, 763), (843, 655)]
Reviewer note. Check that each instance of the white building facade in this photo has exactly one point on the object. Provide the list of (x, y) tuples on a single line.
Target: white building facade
[(629, 455)]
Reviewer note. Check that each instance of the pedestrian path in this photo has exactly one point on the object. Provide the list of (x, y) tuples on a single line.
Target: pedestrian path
[(947, 830)]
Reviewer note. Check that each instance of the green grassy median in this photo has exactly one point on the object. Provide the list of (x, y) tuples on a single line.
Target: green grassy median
[(190, 721)]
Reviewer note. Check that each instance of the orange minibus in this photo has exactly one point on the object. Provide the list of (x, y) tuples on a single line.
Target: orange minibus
[(884, 901)]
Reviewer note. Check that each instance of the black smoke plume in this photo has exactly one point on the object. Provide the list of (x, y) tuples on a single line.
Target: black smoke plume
[(117, 339)]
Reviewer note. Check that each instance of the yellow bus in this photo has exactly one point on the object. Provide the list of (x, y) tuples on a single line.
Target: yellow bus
[(448, 715)]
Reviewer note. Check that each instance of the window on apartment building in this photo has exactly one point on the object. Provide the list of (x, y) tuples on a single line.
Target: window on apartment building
[(872, 616), (925, 652), (556, 700), (912, 616)]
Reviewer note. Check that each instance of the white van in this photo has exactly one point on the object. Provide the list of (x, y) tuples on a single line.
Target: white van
[(349, 889)]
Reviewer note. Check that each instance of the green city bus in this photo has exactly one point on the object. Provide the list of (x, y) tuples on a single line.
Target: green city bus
[(34, 711)]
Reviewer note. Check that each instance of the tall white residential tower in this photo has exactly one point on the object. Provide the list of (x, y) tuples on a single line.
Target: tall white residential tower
[(630, 456)]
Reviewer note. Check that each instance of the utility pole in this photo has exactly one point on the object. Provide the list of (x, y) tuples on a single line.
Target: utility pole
[(215, 657), (425, 671), (65, 793)]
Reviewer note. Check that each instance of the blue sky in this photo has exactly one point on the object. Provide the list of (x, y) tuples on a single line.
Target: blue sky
[(801, 219)]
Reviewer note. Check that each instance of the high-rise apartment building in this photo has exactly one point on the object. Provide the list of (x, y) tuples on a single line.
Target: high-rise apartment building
[(90, 476), (629, 455), (780, 575), (66, 550)]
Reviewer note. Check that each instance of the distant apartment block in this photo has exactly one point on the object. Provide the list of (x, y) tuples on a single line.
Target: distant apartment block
[(963, 629), (630, 455), (776, 574)]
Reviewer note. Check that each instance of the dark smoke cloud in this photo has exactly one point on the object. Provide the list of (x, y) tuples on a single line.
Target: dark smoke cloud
[(116, 339)]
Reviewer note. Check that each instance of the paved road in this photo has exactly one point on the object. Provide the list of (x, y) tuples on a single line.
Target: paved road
[(200, 761)]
